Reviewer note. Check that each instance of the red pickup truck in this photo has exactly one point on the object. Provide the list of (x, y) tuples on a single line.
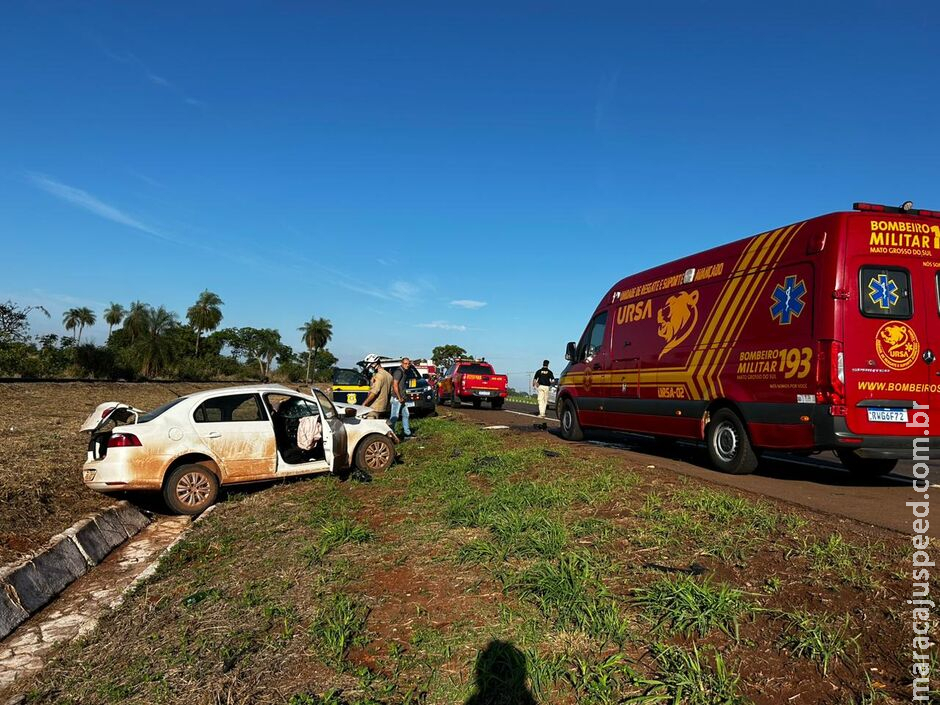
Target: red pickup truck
[(473, 381)]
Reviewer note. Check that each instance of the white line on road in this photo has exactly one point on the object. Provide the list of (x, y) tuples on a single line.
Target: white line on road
[(531, 416)]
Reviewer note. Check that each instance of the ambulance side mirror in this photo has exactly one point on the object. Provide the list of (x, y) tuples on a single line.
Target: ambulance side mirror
[(571, 352)]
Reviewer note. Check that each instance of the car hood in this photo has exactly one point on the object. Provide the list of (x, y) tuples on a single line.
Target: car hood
[(362, 412), (115, 411)]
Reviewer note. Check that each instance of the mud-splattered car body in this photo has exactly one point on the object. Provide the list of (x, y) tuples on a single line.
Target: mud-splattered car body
[(190, 446)]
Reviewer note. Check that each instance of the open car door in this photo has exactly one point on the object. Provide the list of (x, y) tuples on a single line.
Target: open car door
[(334, 432)]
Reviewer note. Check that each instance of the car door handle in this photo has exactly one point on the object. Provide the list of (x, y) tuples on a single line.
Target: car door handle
[(213, 434)]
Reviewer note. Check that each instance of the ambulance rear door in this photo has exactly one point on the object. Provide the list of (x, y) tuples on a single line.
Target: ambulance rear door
[(888, 358)]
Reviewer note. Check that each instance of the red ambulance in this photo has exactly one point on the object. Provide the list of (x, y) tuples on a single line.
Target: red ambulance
[(816, 336)]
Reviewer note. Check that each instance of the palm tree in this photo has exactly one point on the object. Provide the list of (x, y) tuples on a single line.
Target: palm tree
[(205, 314), (78, 318), (113, 316), (317, 333), (86, 317), (71, 319), (154, 348), (134, 320)]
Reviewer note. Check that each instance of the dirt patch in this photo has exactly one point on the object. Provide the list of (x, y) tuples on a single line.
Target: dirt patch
[(41, 489)]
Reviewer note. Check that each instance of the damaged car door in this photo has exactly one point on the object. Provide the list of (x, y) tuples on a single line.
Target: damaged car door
[(236, 429)]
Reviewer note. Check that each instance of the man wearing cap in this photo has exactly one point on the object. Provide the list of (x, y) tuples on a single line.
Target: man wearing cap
[(543, 381), (381, 391)]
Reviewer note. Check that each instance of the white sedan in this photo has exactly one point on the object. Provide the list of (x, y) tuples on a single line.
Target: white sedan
[(192, 445)]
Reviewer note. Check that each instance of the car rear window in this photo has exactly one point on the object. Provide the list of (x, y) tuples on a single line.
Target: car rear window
[(151, 415), (229, 408), (885, 292), (475, 369)]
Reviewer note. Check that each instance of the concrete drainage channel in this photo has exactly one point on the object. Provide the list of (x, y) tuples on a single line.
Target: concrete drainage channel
[(60, 593)]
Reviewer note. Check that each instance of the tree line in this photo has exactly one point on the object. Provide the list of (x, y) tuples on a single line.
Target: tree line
[(149, 342)]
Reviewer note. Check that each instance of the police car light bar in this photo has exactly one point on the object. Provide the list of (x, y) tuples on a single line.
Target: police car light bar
[(906, 209)]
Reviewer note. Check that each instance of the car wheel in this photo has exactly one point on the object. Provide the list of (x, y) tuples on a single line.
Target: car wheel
[(375, 453), (477, 403), (498, 403), (728, 444), (570, 426), (865, 467), (190, 489)]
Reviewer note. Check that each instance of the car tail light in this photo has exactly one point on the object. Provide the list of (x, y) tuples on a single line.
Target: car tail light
[(123, 440), (104, 414), (830, 376)]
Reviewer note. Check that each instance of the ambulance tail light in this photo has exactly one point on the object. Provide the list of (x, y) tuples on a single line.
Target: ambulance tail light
[(830, 376)]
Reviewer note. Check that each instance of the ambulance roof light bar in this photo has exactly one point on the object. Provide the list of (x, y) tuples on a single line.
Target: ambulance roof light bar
[(906, 208)]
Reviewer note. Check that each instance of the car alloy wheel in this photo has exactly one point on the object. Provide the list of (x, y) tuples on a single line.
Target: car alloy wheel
[(377, 454), (193, 489)]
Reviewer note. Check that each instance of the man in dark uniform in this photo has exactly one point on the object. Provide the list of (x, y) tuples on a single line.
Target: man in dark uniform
[(542, 383), (399, 397)]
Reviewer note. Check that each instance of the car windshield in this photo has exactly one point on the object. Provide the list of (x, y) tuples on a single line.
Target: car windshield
[(475, 369), (151, 415), (348, 377)]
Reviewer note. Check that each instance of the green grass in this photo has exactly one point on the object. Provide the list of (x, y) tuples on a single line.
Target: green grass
[(484, 538), (820, 638), (690, 677), (686, 605), (834, 557), (569, 592), (722, 525), (601, 682), (333, 534), (338, 626)]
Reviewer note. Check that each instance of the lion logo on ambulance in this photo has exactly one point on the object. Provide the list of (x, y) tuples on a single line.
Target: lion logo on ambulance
[(897, 345), (677, 319)]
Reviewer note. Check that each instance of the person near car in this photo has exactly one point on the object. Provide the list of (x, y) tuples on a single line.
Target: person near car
[(381, 391), (399, 399), (542, 382)]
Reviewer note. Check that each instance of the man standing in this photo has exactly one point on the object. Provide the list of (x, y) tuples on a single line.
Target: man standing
[(381, 390), (542, 382), (400, 379)]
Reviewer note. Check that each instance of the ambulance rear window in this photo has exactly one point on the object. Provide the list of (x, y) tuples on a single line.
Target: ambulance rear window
[(885, 292)]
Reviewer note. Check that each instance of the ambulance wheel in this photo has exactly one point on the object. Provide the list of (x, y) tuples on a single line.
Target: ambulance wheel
[(497, 403), (477, 403), (729, 447), (865, 467), (570, 427)]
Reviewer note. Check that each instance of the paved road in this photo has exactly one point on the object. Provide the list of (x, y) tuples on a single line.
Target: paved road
[(819, 483)]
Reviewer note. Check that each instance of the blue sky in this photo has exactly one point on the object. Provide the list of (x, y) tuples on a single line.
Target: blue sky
[(429, 173)]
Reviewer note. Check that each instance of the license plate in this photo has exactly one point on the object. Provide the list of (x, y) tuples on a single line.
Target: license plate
[(483, 394), (409, 404), (888, 415)]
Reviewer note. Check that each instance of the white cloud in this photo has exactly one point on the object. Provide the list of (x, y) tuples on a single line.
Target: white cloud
[(159, 80), (468, 303), (404, 291), (84, 200), (442, 325)]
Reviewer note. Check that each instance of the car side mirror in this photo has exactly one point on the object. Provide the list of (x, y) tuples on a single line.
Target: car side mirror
[(571, 352), (349, 411)]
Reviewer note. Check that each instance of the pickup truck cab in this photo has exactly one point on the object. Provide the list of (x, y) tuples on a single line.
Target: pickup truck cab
[(472, 381)]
